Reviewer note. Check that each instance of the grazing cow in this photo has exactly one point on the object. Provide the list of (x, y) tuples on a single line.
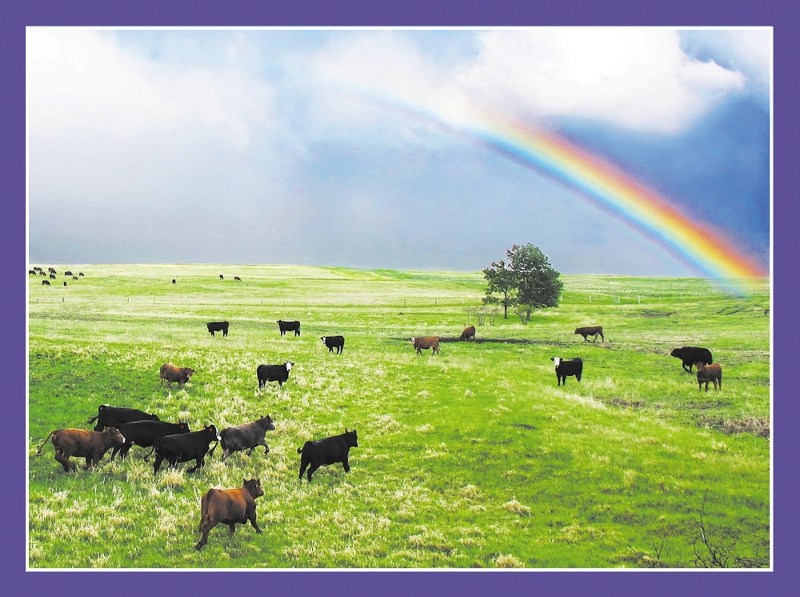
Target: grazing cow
[(51, 270), (74, 277), (708, 373), (170, 373), (332, 342), (65, 283), (183, 447), (279, 373), (31, 272), (67, 273), (288, 326), (45, 283), (689, 355), (221, 277), (83, 444), (468, 333), (173, 280), (247, 436), (329, 450), (41, 273), (145, 433), (218, 326), (565, 367), (228, 506), (592, 330), (80, 274), (114, 416), (237, 279), (37, 268), (52, 276), (426, 342)]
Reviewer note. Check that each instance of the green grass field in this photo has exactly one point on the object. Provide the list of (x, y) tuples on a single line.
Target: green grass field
[(470, 458)]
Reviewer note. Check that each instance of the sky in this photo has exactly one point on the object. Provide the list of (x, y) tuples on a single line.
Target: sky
[(356, 147)]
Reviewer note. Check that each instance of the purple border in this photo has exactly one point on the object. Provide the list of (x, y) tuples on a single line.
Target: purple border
[(15, 15)]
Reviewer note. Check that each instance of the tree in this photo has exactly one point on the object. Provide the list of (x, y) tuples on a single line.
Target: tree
[(524, 278)]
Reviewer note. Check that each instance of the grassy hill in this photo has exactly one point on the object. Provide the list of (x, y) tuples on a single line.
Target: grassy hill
[(470, 458)]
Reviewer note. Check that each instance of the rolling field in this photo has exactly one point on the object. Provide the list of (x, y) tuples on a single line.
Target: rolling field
[(470, 458)]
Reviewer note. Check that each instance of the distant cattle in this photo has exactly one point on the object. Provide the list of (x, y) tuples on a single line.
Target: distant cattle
[(247, 436), (689, 355), (52, 276), (80, 274), (41, 273), (567, 367), (593, 330), (31, 272), (113, 416), (426, 342), (173, 280), (218, 326), (45, 283), (279, 373), (289, 326), (65, 283), (90, 445), (228, 506), (37, 268), (67, 273), (145, 433), (332, 342), (468, 333), (74, 277), (51, 270), (221, 277), (183, 447), (237, 279), (329, 450), (708, 373), (171, 373)]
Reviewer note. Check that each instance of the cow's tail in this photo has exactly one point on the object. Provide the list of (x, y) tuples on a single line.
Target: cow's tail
[(204, 509), (93, 419), (150, 453), (211, 451), (39, 449)]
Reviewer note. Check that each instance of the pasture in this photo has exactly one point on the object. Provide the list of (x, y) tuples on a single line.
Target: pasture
[(469, 458)]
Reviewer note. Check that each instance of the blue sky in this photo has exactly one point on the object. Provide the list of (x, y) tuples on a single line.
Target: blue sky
[(269, 146)]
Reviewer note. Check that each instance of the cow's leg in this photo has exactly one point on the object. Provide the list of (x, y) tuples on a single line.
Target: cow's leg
[(199, 462), (63, 460), (314, 466), (578, 376), (157, 463), (225, 454), (252, 517), (231, 529), (205, 527), (303, 464), (266, 448), (346, 464)]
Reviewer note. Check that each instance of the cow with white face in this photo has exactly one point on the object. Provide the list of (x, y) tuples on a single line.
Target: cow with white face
[(566, 367)]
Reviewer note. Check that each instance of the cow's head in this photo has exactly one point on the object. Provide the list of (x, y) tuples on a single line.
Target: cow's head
[(189, 372), (213, 431), (183, 426), (676, 352), (266, 423), (323, 338), (556, 360), (413, 340), (116, 436), (352, 438), (253, 486), (288, 365)]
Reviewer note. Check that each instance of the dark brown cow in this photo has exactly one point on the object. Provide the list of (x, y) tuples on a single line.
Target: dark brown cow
[(431, 342), (708, 373), (83, 444), (228, 506), (468, 333), (592, 330), (170, 373)]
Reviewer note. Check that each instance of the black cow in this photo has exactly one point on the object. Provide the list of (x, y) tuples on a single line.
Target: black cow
[(288, 326), (689, 355), (145, 433), (67, 273), (218, 326), (247, 436), (42, 273), (565, 367), (183, 447), (329, 450), (221, 277), (37, 268), (45, 283), (173, 280), (74, 277), (237, 279), (51, 270), (52, 276), (31, 272), (591, 330), (114, 416), (279, 373), (332, 342), (65, 283), (80, 274)]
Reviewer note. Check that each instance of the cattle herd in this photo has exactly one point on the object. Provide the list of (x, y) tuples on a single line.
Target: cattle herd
[(120, 428), (52, 274)]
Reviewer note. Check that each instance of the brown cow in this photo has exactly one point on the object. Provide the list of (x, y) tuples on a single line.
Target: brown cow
[(91, 445), (708, 373), (228, 506), (592, 330), (170, 373), (468, 333), (426, 342)]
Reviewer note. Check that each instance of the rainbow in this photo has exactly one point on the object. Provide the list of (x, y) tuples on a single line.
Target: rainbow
[(695, 243)]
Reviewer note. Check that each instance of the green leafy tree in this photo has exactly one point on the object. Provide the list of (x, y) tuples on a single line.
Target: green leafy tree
[(524, 278)]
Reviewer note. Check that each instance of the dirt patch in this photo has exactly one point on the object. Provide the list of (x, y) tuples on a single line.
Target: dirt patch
[(649, 313), (443, 339), (624, 403), (523, 426), (754, 425)]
